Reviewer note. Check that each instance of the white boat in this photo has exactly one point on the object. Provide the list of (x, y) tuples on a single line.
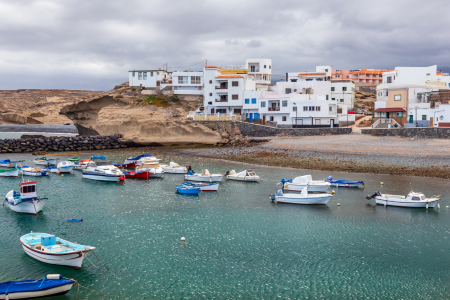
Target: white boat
[(138, 159), (413, 199), (43, 161), (174, 168), (204, 187), (65, 166), (34, 171), (103, 173), (302, 198), (150, 164), (84, 163), (26, 201), (205, 176), (12, 172), (54, 250), (10, 163), (247, 175), (300, 182)]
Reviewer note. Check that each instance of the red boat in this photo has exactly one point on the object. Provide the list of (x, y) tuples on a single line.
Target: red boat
[(131, 165), (135, 175)]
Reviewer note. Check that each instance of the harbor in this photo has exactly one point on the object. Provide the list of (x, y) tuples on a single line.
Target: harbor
[(238, 243)]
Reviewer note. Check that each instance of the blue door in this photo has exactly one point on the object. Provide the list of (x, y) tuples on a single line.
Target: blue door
[(251, 118)]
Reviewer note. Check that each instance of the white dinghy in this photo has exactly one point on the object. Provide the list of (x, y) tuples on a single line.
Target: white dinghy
[(300, 182), (247, 175), (413, 199), (174, 168), (65, 166), (302, 198), (205, 176), (26, 201), (150, 164)]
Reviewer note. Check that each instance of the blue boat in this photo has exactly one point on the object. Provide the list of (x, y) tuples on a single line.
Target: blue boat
[(50, 285), (191, 190), (204, 186), (344, 183), (10, 163)]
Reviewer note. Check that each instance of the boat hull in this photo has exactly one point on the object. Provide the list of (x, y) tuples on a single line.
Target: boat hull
[(213, 178), (73, 260), (99, 177), (248, 179), (14, 173), (155, 175), (12, 164), (36, 174), (137, 175), (321, 200), (300, 187), (126, 166), (174, 170), (416, 204), (50, 162), (59, 290), (65, 169), (27, 207), (207, 187), (347, 185)]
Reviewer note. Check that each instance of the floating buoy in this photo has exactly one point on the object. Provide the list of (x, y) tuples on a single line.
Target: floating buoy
[(333, 192), (446, 207), (382, 183), (338, 204), (183, 239), (62, 175)]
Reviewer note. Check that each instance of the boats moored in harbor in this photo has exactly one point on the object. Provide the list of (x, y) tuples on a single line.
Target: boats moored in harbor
[(142, 174), (10, 163), (301, 198), (412, 199), (138, 159), (34, 171), (184, 189), (53, 250), (204, 187), (344, 183), (84, 163), (26, 201), (246, 175), (102, 171), (44, 161), (151, 165), (174, 168), (300, 182), (11, 172), (50, 285), (205, 176)]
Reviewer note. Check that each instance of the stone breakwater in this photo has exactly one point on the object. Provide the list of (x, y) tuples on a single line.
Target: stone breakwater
[(53, 144)]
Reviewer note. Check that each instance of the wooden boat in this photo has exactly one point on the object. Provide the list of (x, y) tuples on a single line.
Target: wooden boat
[(246, 175), (44, 161), (26, 201), (191, 190), (50, 285), (34, 171), (10, 163), (53, 250), (11, 172), (174, 168), (413, 199), (302, 198), (137, 175), (205, 176), (204, 187), (300, 182), (74, 159), (344, 183)]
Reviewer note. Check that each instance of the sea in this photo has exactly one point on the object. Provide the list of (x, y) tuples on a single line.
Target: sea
[(238, 244)]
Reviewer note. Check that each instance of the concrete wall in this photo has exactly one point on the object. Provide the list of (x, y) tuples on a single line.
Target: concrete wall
[(426, 133)]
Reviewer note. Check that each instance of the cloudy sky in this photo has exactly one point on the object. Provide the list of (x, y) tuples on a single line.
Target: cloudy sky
[(80, 44)]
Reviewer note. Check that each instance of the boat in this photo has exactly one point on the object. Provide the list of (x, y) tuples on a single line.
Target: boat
[(204, 187), (137, 175), (65, 166), (34, 171), (11, 172), (301, 198), (344, 183), (174, 168), (413, 199), (26, 201), (74, 159), (300, 182), (191, 190), (125, 166), (84, 163), (246, 175), (138, 159), (102, 171), (150, 164), (10, 163), (205, 176), (44, 161), (53, 250), (50, 285)]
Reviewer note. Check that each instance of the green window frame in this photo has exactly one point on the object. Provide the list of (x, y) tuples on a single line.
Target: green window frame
[(333, 99), (327, 97), (399, 114), (332, 88), (397, 97)]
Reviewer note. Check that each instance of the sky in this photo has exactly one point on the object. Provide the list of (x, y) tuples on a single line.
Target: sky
[(76, 44)]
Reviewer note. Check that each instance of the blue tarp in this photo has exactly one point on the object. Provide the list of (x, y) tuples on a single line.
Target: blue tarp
[(32, 285), (98, 157)]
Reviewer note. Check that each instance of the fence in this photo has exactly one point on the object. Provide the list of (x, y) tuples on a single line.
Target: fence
[(215, 117)]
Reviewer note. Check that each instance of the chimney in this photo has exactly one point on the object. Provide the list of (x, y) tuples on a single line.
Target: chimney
[(287, 77)]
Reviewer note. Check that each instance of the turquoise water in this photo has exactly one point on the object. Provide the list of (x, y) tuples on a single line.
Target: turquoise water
[(238, 243)]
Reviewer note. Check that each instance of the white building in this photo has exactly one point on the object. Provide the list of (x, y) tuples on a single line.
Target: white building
[(187, 84), (261, 69), (343, 91), (148, 78)]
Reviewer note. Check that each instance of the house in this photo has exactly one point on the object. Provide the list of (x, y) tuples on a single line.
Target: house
[(148, 78), (369, 76), (188, 85), (343, 91)]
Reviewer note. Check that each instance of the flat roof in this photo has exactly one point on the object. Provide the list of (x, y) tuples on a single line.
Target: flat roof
[(146, 70)]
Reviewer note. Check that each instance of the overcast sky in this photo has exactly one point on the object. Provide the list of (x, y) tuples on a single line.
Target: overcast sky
[(81, 44)]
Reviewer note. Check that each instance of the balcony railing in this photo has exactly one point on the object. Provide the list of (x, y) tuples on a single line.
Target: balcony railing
[(273, 109), (221, 100), (221, 87)]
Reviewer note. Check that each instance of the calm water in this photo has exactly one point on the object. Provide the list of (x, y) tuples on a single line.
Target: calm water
[(238, 243)]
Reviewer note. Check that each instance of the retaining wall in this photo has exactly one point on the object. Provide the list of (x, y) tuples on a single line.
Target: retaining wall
[(418, 132)]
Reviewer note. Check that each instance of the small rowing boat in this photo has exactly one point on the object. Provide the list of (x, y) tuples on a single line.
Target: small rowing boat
[(137, 175), (102, 171), (53, 250), (302, 198), (50, 285), (205, 176), (246, 175), (10, 163), (34, 171), (125, 166), (84, 163), (191, 190), (151, 165), (174, 168), (344, 183), (204, 187), (44, 161), (300, 182)]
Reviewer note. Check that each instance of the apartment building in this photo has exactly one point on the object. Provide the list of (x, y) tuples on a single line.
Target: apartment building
[(187, 84), (368, 76)]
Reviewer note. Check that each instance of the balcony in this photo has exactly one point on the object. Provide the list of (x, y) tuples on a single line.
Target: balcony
[(222, 100), (274, 108), (222, 87)]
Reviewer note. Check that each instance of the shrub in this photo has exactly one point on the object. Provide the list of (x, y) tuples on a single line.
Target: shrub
[(133, 89)]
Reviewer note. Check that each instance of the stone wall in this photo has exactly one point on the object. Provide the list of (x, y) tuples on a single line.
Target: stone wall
[(53, 144), (418, 132), (254, 130)]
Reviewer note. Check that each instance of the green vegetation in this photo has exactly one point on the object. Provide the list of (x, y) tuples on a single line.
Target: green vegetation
[(133, 89)]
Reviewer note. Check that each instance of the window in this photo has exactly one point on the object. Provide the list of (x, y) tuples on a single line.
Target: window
[(210, 82), (247, 101), (333, 99), (397, 97), (386, 93), (210, 103), (399, 114), (151, 74), (311, 108), (145, 75), (270, 67), (265, 66), (330, 108), (284, 103), (140, 75), (332, 88), (287, 91), (294, 108), (182, 79), (344, 88), (134, 74), (253, 100), (263, 103), (317, 108), (235, 83), (305, 108), (210, 94), (234, 97), (195, 80), (428, 74), (271, 118), (283, 119), (342, 100), (415, 198), (327, 97), (424, 117), (326, 70), (237, 111), (389, 79), (252, 68)]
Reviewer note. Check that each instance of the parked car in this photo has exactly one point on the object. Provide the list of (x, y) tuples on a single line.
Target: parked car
[(352, 112), (367, 112), (359, 111)]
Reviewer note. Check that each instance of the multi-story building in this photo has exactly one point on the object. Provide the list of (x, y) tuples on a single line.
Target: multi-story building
[(189, 85), (369, 76)]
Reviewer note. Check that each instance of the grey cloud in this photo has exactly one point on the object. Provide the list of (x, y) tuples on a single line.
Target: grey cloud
[(254, 44)]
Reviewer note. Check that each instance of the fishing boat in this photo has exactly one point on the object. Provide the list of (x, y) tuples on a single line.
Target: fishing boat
[(102, 171), (174, 168), (191, 190), (300, 182), (143, 174), (65, 166), (204, 187), (75, 160), (247, 175), (138, 159), (150, 164), (26, 201), (50, 285), (301, 198), (53, 250), (34, 171), (413, 199), (11, 172), (344, 183), (84, 163), (44, 161), (205, 176), (125, 166), (10, 163)]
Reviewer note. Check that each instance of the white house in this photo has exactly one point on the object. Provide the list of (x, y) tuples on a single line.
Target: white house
[(343, 92), (148, 78), (261, 69), (187, 84)]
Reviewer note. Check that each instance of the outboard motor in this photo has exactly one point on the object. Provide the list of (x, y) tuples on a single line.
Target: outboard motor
[(377, 193), (227, 173)]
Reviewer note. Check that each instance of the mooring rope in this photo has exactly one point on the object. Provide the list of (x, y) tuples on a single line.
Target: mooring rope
[(103, 272), (53, 210), (79, 285), (99, 259)]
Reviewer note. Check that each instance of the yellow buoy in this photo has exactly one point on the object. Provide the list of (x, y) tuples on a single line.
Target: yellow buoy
[(382, 183), (183, 239), (62, 175), (338, 204), (333, 192)]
